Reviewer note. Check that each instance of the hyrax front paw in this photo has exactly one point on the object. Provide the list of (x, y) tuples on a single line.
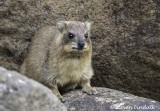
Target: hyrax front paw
[(60, 96), (90, 90)]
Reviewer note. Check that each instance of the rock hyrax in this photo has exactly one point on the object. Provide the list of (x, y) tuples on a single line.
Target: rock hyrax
[(60, 57)]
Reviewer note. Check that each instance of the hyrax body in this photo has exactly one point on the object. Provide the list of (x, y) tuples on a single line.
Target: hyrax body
[(61, 56)]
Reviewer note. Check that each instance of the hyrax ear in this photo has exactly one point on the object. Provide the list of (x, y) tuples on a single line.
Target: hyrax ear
[(88, 25), (61, 25)]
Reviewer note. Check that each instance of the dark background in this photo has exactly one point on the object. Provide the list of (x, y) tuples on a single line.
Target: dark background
[(125, 35)]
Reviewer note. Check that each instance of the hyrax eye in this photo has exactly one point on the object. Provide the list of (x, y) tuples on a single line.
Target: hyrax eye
[(70, 35), (86, 35)]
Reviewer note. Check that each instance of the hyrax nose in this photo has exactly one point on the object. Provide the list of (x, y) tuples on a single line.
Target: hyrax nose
[(80, 45)]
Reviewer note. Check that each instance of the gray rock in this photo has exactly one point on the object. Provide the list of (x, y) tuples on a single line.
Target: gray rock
[(18, 93), (108, 100), (125, 35)]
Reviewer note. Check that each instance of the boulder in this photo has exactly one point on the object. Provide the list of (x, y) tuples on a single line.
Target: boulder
[(108, 100), (125, 35), (18, 93)]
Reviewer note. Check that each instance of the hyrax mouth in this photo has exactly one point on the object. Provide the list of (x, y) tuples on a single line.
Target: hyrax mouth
[(78, 48)]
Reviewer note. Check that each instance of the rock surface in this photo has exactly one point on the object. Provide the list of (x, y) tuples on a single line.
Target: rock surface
[(18, 93), (108, 100), (125, 38)]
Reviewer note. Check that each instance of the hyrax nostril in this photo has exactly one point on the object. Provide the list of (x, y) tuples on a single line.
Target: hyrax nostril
[(81, 45)]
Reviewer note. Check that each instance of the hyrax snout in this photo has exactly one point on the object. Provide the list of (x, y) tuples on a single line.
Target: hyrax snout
[(61, 57)]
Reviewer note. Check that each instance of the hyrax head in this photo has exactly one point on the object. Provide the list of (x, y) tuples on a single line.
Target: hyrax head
[(76, 36)]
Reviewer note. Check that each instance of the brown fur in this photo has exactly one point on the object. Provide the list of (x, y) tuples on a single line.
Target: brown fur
[(52, 60)]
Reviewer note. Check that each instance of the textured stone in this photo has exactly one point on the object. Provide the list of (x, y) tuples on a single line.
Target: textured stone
[(108, 100), (125, 35), (18, 93)]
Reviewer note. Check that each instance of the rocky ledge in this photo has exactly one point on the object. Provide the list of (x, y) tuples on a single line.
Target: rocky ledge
[(108, 100), (19, 93)]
